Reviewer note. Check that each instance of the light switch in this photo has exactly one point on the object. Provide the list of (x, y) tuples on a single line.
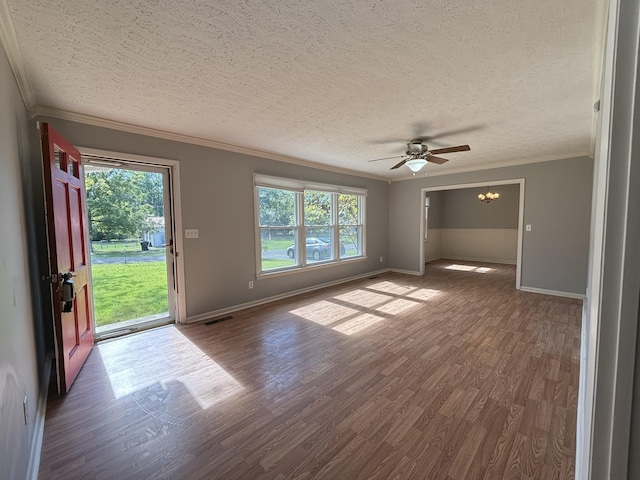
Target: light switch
[(191, 233), (528, 228)]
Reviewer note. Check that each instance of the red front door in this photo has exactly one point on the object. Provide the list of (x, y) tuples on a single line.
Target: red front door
[(68, 254)]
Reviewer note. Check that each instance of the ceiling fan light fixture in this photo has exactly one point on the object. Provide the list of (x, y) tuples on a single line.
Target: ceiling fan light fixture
[(416, 164)]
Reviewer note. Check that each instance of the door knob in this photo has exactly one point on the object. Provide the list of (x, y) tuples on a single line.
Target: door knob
[(68, 292)]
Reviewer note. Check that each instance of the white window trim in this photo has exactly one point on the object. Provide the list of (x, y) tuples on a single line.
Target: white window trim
[(299, 187), (260, 180)]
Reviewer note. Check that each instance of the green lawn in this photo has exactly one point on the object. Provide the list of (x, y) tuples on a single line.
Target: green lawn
[(123, 292), (269, 263), (277, 243)]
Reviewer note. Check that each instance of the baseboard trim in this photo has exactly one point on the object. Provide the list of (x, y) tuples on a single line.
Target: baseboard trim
[(406, 272), (555, 293), (38, 430), (223, 311)]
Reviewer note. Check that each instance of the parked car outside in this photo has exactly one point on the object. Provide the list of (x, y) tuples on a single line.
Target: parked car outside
[(317, 249)]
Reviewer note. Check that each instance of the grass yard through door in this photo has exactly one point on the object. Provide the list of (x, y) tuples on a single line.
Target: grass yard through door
[(118, 294)]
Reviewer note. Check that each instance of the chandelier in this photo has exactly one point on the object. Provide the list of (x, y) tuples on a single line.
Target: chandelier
[(488, 197)]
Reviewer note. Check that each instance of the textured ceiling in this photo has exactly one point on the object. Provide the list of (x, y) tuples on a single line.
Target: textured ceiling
[(336, 82)]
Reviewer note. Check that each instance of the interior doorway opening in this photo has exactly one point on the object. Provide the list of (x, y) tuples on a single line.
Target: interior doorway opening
[(498, 240), (131, 232)]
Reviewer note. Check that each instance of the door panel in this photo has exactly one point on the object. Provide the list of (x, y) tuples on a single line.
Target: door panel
[(61, 224), (77, 237), (66, 222)]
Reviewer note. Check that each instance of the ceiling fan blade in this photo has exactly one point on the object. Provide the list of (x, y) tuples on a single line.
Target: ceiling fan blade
[(448, 133), (419, 128), (388, 140), (437, 160), (459, 148), (385, 158), (399, 164)]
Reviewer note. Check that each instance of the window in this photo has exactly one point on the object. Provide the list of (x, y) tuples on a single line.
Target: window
[(349, 207), (328, 220), (277, 226), (318, 225)]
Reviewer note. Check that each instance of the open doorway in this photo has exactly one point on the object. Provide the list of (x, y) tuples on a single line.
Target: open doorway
[(469, 229), (131, 232)]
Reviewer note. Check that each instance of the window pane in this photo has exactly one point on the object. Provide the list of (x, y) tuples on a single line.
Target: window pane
[(319, 244), (317, 208), (72, 168), (278, 248), (58, 157), (350, 222), (277, 207), (351, 241), (348, 213), (319, 228), (277, 238)]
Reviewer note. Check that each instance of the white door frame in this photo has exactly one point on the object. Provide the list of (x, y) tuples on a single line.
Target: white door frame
[(173, 168), (511, 181)]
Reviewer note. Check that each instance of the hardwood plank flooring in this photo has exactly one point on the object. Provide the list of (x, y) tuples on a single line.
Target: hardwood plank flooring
[(454, 375)]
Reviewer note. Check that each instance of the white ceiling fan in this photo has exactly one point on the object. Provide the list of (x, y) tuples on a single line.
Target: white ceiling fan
[(418, 154)]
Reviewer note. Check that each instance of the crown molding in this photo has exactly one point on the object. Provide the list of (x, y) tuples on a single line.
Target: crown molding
[(490, 166), (178, 137), (9, 41)]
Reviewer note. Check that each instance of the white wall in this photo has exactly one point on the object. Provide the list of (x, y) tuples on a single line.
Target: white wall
[(479, 244), (433, 245)]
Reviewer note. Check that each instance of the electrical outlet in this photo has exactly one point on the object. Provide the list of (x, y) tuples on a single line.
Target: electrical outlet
[(381, 259), (250, 284), (25, 410), (191, 233)]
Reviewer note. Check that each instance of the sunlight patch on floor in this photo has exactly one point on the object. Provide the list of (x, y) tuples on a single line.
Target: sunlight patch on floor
[(384, 300), (483, 269), (324, 312), (390, 287), (132, 363), (468, 268), (398, 306), (363, 298), (424, 294), (357, 324)]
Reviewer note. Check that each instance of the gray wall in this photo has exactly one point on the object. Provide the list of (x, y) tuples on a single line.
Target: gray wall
[(462, 209), (217, 198), (557, 205), (21, 346)]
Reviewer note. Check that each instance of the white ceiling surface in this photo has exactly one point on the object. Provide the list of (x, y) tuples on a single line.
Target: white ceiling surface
[(328, 81)]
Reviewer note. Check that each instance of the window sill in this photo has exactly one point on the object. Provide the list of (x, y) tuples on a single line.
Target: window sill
[(308, 268)]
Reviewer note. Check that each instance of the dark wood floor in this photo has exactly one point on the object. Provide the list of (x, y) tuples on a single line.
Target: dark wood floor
[(454, 375)]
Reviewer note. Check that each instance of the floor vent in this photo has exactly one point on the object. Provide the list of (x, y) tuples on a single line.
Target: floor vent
[(374, 277), (218, 320)]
